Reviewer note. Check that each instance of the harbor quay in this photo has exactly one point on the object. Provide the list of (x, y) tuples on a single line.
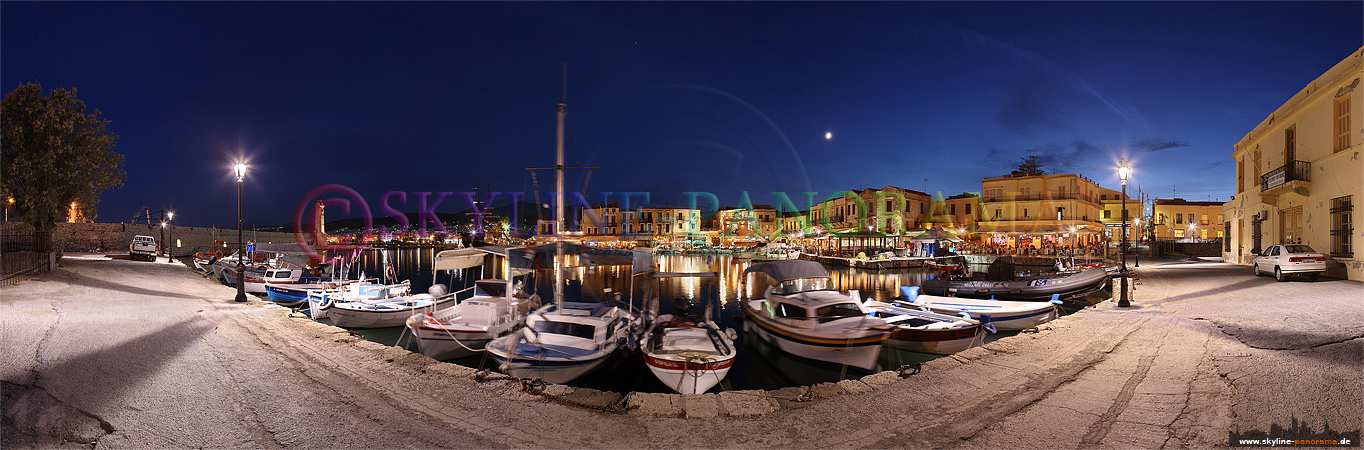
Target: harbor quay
[(106, 352)]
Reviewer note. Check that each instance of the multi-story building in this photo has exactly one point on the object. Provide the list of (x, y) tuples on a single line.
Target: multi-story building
[(872, 210), (1298, 173), (668, 223), (1179, 219), (1038, 208), (1111, 204), (608, 215), (761, 220), (958, 213)]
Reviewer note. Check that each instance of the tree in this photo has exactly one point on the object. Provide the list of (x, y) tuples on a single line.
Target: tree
[(1030, 165), (53, 153)]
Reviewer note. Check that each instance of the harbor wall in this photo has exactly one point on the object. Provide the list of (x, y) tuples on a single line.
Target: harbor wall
[(115, 237)]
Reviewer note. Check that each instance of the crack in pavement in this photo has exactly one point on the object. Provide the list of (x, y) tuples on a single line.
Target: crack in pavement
[(1100, 429)]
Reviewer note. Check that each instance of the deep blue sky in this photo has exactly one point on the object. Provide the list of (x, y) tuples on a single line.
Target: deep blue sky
[(664, 97)]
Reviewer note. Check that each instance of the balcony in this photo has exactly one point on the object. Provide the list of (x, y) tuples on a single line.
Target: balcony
[(1293, 177)]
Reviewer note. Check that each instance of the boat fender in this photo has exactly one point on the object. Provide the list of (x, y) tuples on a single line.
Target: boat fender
[(910, 293), (1056, 299), (731, 334), (965, 314)]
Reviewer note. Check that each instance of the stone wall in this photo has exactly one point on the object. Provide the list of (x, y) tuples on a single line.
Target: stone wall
[(184, 241)]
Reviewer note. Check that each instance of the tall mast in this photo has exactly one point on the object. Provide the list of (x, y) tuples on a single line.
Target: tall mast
[(560, 112)]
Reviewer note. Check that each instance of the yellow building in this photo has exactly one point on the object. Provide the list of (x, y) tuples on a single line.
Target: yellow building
[(1111, 202), (1298, 173), (759, 222), (958, 213), (872, 210), (1024, 209), (1179, 219)]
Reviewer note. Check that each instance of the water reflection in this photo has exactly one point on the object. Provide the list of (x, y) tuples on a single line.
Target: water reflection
[(757, 366)]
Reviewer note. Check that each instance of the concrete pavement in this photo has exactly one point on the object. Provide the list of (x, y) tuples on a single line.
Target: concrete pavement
[(116, 353)]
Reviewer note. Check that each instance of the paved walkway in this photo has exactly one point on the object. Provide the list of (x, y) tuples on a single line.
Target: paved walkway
[(134, 354)]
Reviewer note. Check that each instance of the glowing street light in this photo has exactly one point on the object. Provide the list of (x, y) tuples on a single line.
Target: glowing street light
[(240, 171), (1123, 172)]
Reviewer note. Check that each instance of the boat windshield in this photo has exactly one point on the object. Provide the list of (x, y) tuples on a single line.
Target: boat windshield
[(838, 311), (565, 328), (801, 285)]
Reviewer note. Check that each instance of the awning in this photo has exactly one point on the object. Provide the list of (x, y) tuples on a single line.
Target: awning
[(789, 269), (460, 258)]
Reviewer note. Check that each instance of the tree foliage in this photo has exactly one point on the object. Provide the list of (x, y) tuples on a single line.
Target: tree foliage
[(53, 153), (1030, 165)]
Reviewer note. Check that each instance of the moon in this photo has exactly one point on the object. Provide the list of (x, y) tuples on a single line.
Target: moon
[(828, 135)]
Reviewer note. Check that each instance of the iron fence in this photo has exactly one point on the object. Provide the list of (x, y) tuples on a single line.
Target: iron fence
[(19, 254)]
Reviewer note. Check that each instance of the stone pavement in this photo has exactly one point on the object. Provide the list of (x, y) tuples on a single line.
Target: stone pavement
[(129, 354)]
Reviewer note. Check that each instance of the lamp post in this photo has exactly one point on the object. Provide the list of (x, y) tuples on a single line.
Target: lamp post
[(1136, 255), (240, 171), (1123, 172), (170, 231)]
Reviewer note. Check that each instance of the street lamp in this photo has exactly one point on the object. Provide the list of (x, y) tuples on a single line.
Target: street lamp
[(240, 171), (170, 231), (164, 242), (1123, 172)]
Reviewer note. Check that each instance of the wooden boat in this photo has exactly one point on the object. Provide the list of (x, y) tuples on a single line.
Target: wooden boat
[(1003, 314), (687, 352), (1003, 283), (928, 332), (803, 317)]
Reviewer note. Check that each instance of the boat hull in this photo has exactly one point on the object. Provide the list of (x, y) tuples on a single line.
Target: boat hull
[(853, 352), (1031, 289), (382, 314), (938, 342), (689, 377)]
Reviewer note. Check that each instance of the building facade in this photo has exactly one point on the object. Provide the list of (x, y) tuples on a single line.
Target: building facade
[(1111, 201), (1182, 220), (1298, 174), (1023, 209)]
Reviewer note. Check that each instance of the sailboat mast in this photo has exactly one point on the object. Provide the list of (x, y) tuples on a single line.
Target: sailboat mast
[(560, 112)]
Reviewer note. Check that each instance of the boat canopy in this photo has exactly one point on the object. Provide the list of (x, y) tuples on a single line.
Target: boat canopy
[(460, 258), (789, 269), (541, 255), (683, 274)]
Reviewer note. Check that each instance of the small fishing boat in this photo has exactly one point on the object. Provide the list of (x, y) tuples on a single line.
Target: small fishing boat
[(776, 251), (928, 332), (1003, 283), (560, 344), (804, 317), (1003, 314), (350, 311), (466, 328), (688, 353)]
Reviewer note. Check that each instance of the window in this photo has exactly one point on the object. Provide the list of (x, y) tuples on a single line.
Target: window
[(1205, 220), (1103, 197), (996, 213), (1025, 213), (1219, 219), (1179, 217), (1240, 175), (1342, 122), (1108, 214), (565, 328), (1179, 232), (789, 311), (838, 311), (1290, 144), (954, 209), (1204, 233), (1256, 178), (1342, 226)]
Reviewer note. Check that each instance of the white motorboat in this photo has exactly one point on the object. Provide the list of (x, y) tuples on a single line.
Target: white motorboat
[(688, 353), (359, 311), (1003, 314), (802, 316), (560, 344), (928, 332), (466, 328)]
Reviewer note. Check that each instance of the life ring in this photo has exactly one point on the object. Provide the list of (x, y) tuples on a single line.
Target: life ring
[(217, 255), (391, 273)]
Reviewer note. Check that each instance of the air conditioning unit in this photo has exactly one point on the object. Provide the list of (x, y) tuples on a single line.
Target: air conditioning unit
[(1262, 216)]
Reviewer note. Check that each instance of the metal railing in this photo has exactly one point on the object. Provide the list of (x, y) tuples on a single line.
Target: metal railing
[(19, 254), (1293, 171)]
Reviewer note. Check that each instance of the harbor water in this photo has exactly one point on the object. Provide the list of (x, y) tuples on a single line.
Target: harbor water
[(758, 364)]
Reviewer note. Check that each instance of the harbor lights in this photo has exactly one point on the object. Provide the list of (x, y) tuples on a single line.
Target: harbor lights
[(240, 171), (1123, 172)]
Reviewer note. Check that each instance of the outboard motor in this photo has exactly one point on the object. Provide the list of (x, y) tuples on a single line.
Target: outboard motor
[(1002, 269)]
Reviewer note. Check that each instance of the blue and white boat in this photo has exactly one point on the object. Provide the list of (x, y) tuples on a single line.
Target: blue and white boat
[(563, 342), (1003, 314)]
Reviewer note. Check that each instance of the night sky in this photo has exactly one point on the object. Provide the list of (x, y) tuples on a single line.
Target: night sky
[(664, 97)]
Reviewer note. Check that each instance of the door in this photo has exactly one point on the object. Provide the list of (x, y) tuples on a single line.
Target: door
[(1290, 225)]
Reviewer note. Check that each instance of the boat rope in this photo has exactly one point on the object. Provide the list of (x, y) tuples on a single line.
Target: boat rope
[(536, 386), (908, 370)]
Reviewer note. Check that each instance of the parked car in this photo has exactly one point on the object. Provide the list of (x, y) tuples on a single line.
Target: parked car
[(1292, 259), (143, 247)]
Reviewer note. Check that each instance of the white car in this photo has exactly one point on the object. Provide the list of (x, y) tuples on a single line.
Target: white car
[(1292, 259), (142, 247)]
